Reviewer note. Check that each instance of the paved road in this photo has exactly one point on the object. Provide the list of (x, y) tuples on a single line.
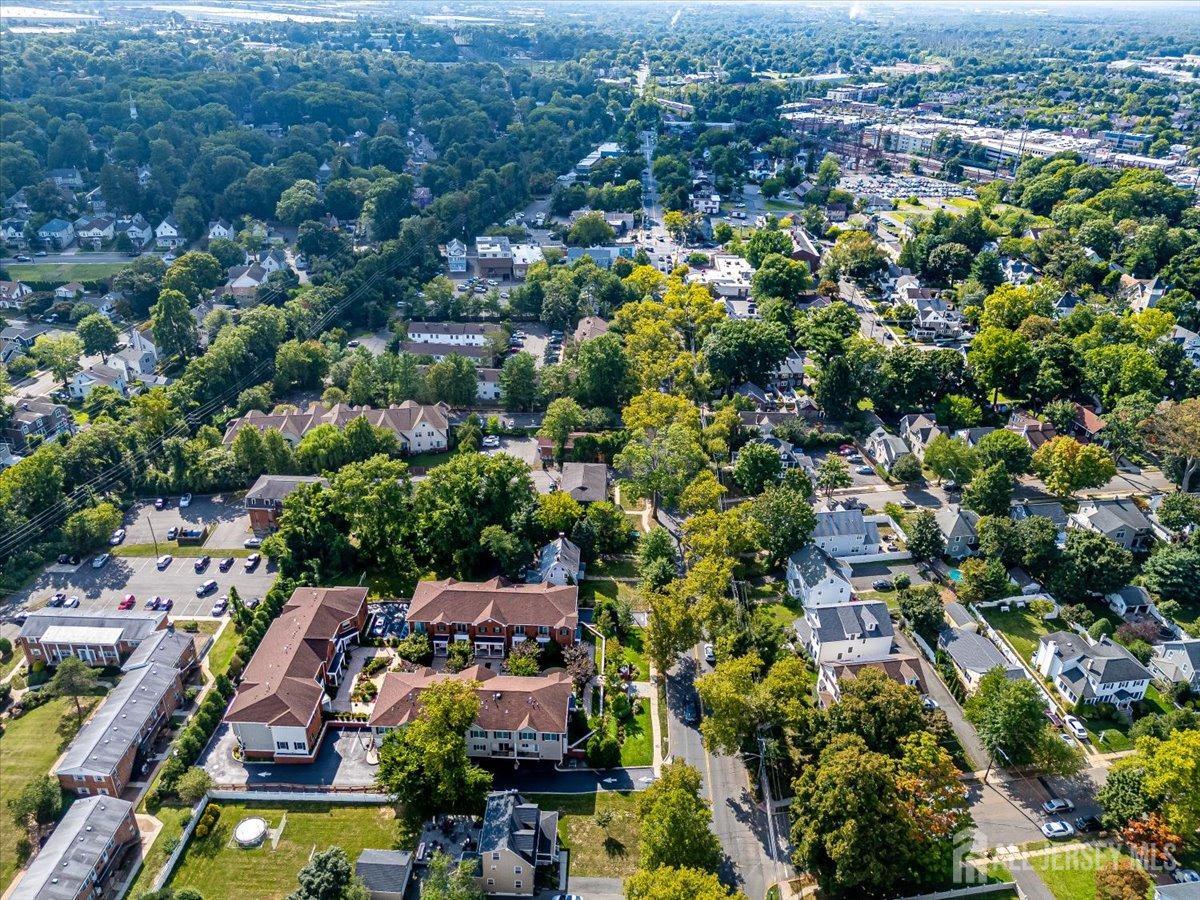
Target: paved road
[(72, 255), (738, 821)]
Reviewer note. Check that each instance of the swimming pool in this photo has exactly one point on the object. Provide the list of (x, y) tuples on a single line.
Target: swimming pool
[(955, 574)]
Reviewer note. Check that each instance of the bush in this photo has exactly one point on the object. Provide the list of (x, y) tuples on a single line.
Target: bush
[(1100, 628), (201, 830), (902, 582), (603, 748), (6, 649)]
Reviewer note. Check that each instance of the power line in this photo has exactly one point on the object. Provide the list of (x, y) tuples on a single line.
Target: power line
[(48, 518)]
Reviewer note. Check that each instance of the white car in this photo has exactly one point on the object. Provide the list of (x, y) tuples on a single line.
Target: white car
[(117, 537), (185, 501), (1186, 876), (1057, 805), (163, 561), (491, 440), (1076, 727), (1055, 830), (710, 655), (100, 561)]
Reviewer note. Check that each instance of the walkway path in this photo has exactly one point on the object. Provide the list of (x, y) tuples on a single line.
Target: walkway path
[(655, 730)]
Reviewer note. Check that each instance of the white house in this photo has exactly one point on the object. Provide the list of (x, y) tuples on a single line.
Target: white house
[(273, 260), (456, 256), (136, 228), (58, 233), (845, 532), (140, 355), (558, 563), (487, 384), (885, 448), (220, 229), (113, 376), (12, 293), (848, 632), (1082, 671), (705, 203), (1130, 600), (816, 579), (68, 291), (98, 230), (973, 656), (467, 334), (167, 236)]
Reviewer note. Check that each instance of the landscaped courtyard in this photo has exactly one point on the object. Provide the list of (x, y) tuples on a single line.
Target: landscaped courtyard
[(597, 851), (221, 870)]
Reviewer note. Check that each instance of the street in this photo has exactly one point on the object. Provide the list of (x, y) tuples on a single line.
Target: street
[(738, 820)]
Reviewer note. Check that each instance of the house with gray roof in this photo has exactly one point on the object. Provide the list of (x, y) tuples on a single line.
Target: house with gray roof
[(384, 873), (1049, 509), (1120, 519), (1177, 662), (918, 429), (82, 853), (1131, 600), (849, 632), (1083, 671), (973, 656), (102, 757), (558, 563), (958, 617), (958, 526), (50, 635), (264, 500), (845, 532), (516, 839), (816, 579), (167, 647), (885, 448), (585, 482)]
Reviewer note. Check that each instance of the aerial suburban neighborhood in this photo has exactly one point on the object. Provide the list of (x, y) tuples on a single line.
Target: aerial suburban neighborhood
[(595, 450)]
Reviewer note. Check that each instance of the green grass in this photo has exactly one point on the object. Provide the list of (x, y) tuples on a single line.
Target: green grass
[(15, 659), (783, 614), (1022, 627), (627, 591), (203, 626), (210, 866), (613, 568), (596, 852), (170, 548), (64, 272), (638, 748), (173, 819), (28, 749), (1072, 875), (428, 460), (222, 650)]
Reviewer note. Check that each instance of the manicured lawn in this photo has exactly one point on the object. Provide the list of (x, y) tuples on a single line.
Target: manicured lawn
[(173, 819), (625, 590), (638, 749), (220, 872), (596, 852), (1072, 875), (783, 613), (64, 272), (202, 626), (1022, 628), (613, 568), (28, 748), (169, 548), (428, 460), (222, 650)]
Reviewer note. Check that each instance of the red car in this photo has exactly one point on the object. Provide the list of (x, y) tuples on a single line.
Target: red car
[(127, 602)]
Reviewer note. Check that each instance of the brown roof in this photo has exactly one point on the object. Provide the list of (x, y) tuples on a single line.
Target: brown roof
[(397, 419), (282, 684), (900, 667), (1088, 420), (474, 602), (506, 702), (590, 327)]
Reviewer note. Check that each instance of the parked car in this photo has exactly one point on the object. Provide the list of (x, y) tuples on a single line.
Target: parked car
[(101, 561), (710, 655), (252, 561), (1186, 876), (68, 559), (173, 533), (1057, 805), (226, 564), (929, 703), (865, 470), (352, 344), (57, 600), (160, 503), (71, 602), (153, 602), (882, 584), (218, 608), (1088, 825), (1054, 830), (1076, 727), (117, 537), (201, 564), (163, 561), (252, 543), (207, 588), (165, 604), (691, 712), (185, 501), (905, 503), (127, 602), (379, 628), (491, 440)]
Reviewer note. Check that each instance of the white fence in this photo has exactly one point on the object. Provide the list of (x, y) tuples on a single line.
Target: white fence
[(168, 868), (978, 890)]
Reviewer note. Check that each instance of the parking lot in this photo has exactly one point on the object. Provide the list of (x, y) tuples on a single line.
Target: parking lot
[(866, 574), (228, 522), (858, 479), (535, 338)]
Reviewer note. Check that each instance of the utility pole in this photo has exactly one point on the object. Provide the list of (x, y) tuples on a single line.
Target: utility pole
[(150, 522)]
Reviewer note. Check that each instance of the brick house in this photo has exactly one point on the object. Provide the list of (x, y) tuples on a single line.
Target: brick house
[(493, 615), (50, 635), (264, 501)]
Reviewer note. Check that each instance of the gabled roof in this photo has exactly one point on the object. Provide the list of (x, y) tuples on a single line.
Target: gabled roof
[(902, 668), (851, 621), (975, 653), (63, 868), (585, 481), (559, 552), (133, 626), (842, 522), (497, 600), (384, 871), (510, 823), (955, 521), (1188, 649), (590, 327), (1107, 516), (276, 488), (281, 684), (813, 565), (397, 419), (1104, 661)]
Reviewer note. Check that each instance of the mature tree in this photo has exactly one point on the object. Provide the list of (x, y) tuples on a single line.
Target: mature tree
[(661, 465), (329, 875), (39, 802), (671, 626), (1007, 447), (59, 354), (676, 822), (1174, 429), (1066, 466), (446, 880), (562, 417), (298, 203), (312, 533), (1091, 564), (879, 711), (704, 492), (951, 458), (1122, 879), (669, 883), (779, 276), (425, 764), (757, 467), (787, 520), (837, 389), (590, 230), (1002, 360), (75, 679), (192, 785), (1010, 718), (602, 372), (1173, 573), (982, 580), (741, 350), (557, 512), (855, 254), (300, 365), (990, 491), (925, 540), (1177, 511), (1170, 768), (765, 242), (922, 607), (173, 325), (99, 334), (833, 474), (1123, 797)]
